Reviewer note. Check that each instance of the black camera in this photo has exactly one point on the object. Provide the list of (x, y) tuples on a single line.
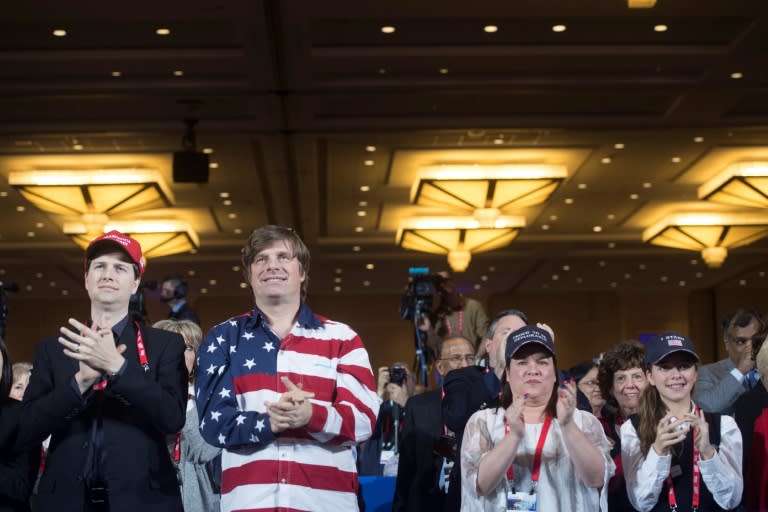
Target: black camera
[(397, 375), (420, 295)]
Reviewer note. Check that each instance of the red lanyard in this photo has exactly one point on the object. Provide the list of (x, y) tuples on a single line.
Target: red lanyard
[(536, 455), (696, 481), (143, 361), (177, 448)]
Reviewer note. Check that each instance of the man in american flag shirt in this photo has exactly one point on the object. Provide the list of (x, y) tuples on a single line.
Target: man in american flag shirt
[(285, 392)]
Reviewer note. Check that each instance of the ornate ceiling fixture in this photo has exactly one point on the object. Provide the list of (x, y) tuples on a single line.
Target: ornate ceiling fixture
[(157, 237), (457, 237), (739, 184), (711, 233)]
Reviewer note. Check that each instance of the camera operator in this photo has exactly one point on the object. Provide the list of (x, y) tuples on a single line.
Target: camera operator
[(396, 385), (454, 315), (173, 292)]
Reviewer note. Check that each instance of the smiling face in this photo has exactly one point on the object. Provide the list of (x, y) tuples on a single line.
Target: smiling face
[(110, 280), (531, 371), (627, 387), (276, 275), (674, 377)]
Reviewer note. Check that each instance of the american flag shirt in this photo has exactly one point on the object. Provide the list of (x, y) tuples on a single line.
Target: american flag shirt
[(239, 367)]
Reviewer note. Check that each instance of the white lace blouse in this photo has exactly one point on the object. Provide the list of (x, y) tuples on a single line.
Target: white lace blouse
[(559, 487)]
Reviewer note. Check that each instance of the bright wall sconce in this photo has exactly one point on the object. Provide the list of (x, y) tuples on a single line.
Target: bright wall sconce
[(713, 234), (93, 191), (157, 237), (740, 184), (457, 237), (500, 188)]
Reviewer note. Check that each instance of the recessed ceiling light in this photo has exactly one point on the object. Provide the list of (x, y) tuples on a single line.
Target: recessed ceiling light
[(31, 234), (28, 288), (579, 280), (568, 200), (582, 186), (356, 248), (443, 71), (163, 31), (742, 282), (337, 288), (59, 32), (362, 203), (597, 229), (238, 231), (566, 268), (243, 285), (647, 184), (642, 266), (761, 273), (370, 149), (614, 284), (553, 218), (660, 28), (698, 139), (611, 216), (559, 28), (368, 163), (602, 263), (477, 287), (366, 283), (676, 159), (117, 74), (208, 151), (191, 273), (338, 270), (227, 202), (483, 277), (611, 245), (338, 280), (663, 279), (382, 71), (178, 72), (359, 229), (681, 283), (498, 141), (491, 269), (20, 208), (545, 227), (627, 275), (388, 29), (737, 75), (232, 215), (213, 165), (212, 282), (364, 188), (634, 196), (618, 145), (699, 274), (4, 194), (606, 160), (77, 147), (39, 225), (39, 275), (555, 277), (236, 268), (65, 292), (361, 213), (490, 29), (204, 290), (224, 195), (369, 266)]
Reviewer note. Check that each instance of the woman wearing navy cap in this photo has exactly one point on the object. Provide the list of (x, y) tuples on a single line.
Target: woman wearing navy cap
[(536, 451), (676, 456)]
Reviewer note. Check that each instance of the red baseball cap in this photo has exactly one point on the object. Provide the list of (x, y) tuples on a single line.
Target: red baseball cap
[(123, 242)]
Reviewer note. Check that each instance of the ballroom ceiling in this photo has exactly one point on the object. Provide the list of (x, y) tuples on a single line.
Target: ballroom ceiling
[(304, 104)]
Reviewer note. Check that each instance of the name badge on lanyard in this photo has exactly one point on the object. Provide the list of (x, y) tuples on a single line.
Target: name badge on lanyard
[(521, 500)]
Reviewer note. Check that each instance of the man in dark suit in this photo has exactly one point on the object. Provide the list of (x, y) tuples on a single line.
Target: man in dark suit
[(426, 448), (173, 292), (109, 392), (470, 389)]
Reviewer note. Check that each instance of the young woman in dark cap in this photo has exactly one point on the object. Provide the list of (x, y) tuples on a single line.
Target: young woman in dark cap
[(676, 456), (536, 451)]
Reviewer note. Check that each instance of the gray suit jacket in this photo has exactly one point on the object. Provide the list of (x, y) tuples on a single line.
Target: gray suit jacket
[(716, 389)]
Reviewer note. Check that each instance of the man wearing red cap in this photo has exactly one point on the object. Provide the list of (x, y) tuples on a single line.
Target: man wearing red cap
[(108, 391)]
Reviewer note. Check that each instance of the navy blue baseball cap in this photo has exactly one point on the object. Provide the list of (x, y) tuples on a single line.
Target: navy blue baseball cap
[(664, 344), (527, 335)]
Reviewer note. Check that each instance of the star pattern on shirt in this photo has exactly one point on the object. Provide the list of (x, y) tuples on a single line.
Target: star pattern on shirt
[(232, 349), (254, 438), (211, 348), (268, 346), (224, 393), (222, 438), (249, 363), (259, 425), (220, 339), (211, 369), (240, 419), (215, 415), (202, 424), (233, 323), (248, 335)]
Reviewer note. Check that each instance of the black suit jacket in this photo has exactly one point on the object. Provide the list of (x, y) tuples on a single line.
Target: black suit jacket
[(419, 468), (18, 467), (467, 390), (138, 408)]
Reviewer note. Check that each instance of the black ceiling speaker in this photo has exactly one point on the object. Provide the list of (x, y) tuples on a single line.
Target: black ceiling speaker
[(190, 165)]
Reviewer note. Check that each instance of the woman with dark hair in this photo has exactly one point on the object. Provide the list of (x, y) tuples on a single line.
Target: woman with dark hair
[(18, 468), (536, 451), (621, 378), (588, 395), (676, 456)]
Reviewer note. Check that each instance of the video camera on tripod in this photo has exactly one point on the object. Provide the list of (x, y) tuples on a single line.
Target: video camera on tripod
[(420, 295)]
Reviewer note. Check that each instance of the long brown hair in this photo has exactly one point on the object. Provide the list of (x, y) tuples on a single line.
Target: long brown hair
[(650, 410)]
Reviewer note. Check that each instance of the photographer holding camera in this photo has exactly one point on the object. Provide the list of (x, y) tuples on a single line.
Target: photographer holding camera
[(396, 385), (454, 315)]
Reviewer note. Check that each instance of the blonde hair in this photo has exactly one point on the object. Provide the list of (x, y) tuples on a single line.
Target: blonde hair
[(188, 329), (19, 370)]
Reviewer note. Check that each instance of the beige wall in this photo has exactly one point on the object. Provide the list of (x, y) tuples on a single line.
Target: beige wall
[(585, 323)]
